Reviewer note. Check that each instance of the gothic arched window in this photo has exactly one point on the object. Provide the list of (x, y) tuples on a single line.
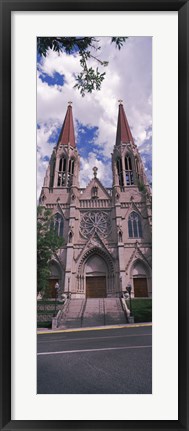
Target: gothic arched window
[(120, 172), (57, 224), (62, 172), (52, 169), (129, 171), (70, 172), (134, 225), (94, 192), (137, 167)]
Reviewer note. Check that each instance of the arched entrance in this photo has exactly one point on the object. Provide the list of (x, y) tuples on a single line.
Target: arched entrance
[(96, 275), (96, 263), (139, 274)]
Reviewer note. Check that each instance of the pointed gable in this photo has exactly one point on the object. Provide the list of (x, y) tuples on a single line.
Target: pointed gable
[(123, 130), (67, 135), (101, 191)]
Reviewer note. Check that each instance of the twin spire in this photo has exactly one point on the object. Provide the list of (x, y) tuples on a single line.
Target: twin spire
[(123, 130), (67, 135)]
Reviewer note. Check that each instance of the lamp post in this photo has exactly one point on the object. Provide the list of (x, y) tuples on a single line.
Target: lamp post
[(128, 288), (56, 294)]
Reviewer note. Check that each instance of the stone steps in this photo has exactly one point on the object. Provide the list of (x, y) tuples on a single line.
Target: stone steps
[(72, 318), (93, 312), (114, 313)]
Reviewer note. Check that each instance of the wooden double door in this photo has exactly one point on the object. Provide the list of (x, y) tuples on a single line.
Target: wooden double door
[(140, 287), (96, 287), (51, 287)]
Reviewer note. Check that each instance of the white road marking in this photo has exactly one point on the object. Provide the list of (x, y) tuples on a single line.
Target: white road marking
[(57, 340), (92, 350)]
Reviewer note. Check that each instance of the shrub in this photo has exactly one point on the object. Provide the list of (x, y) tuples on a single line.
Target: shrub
[(142, 309)]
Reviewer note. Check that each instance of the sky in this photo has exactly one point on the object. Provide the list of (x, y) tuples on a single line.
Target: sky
[(128, 77)]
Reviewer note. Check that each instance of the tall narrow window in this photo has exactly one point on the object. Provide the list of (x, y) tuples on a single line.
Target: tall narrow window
[(137, 168), (52, 168), (134, 225), (57, 224), (129, 171), (120, 172), (70, 172), (62, 172), (94, 192)]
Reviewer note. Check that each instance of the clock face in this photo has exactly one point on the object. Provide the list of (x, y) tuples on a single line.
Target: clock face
[(96, 221)]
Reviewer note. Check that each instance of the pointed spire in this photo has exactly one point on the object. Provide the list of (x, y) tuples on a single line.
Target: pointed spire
[(123, 130), (67, 134)]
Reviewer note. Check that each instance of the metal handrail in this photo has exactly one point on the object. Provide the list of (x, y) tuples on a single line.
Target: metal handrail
[(125, 308), (56, 320)]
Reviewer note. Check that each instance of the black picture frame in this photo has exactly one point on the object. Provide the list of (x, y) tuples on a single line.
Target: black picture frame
[(182, 6)]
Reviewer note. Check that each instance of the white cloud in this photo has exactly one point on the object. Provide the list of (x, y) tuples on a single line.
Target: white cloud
[(42, 166), (44, 132), (86, 172), (128, 77)]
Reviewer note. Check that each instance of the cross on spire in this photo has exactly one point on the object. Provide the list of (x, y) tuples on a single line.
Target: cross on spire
[(95, 169), (120, 102)]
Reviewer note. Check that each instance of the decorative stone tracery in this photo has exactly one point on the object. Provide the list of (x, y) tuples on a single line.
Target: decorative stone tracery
[(96, 221), (110, 265)]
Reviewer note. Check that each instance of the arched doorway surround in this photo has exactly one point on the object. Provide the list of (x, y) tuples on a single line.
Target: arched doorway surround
[(96, 269), (55, 276), (96, 272), (140, 275)]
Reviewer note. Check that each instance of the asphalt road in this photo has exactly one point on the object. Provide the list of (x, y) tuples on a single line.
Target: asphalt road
[(111, 361)]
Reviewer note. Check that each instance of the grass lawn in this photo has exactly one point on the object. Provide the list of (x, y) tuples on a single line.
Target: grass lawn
[(142, 309)]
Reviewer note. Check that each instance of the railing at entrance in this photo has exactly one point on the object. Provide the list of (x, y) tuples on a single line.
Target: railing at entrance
[(57, 319), (83, 311), (129, 318)]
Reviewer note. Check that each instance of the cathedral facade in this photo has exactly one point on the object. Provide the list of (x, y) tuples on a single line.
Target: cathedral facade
[(107, 231)]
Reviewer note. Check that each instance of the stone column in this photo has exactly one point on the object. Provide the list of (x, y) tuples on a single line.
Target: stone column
[(121, 258), (69, 268)]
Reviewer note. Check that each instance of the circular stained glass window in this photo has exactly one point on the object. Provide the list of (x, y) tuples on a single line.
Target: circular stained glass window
[(95, 222)]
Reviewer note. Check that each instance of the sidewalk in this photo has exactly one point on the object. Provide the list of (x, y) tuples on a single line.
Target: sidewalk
[(95, 328)]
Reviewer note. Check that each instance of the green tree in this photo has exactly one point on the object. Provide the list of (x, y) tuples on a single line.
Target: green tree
[(48, 243), (88, 79)]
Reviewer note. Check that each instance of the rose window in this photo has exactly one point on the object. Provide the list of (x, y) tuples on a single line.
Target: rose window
[(95, 222)]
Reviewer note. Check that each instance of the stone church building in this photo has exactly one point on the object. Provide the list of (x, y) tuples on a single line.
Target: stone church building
[(106, 231)]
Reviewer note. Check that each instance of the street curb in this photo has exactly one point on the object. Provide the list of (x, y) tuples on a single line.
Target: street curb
[(95, 328)]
